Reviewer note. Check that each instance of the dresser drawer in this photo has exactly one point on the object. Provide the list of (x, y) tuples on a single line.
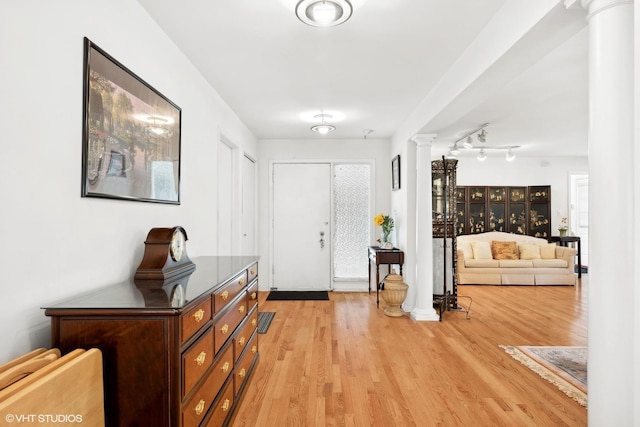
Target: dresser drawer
[(246, 330), (226, 293), (196, 361), (225, 326), (194, 319), (252, 292), (252, 272), (223, 406), (195, 410), (241, 372)]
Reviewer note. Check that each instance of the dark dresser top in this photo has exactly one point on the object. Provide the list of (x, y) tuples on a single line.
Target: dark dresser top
[(210, 273)]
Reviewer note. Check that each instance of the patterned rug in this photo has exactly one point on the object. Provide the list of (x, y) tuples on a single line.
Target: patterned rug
[(565, 367)]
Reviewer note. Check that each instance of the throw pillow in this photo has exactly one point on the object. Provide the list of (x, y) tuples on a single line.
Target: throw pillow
[(481, 250), (529, 251), (548, 251), (504, 250)]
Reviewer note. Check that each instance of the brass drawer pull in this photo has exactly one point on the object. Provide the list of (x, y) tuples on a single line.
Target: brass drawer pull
[(225, 295), (254, 295), (254, 349), (254, 322), (241, 282), (252, 271), (199, 315), (224, 329), (201, 358), (241, 341), (225, 405), (241, 309), (242, 373), (225, 367), (199, 409)]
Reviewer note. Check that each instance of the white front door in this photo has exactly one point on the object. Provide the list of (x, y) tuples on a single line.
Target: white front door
[(301, 226)]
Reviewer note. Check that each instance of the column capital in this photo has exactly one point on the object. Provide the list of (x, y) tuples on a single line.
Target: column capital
[(422, 139), (596, 6)]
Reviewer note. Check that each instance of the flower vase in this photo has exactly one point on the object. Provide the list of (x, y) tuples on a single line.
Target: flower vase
[(562, 231), (386, 244)]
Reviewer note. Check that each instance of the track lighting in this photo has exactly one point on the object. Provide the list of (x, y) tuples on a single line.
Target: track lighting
[(482, 136), (454, 151), (468, 143), (481, 155), (510, 156)]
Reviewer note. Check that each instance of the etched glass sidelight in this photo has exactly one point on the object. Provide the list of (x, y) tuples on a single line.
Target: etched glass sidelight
[(351, 194)]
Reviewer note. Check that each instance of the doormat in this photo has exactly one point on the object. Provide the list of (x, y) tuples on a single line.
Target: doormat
[(297, 295), (264, 321), (565, 367)]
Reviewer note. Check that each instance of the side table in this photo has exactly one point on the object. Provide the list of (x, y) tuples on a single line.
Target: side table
[(564, 241), (383, 256)]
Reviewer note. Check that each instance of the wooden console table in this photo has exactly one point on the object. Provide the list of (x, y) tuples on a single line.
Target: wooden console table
[(177, 353), (564, 241), (383, 256)]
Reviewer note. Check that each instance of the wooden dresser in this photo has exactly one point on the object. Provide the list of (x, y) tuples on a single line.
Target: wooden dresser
[(177, 353)]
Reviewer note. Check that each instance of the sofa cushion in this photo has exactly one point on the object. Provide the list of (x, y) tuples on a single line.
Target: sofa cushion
[(549, 263), (504, 250), (481, 263), (529, 251), (515, 263), (481, 250), (548, 251)]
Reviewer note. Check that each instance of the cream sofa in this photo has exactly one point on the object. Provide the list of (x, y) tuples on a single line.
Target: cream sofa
[(538, 262)]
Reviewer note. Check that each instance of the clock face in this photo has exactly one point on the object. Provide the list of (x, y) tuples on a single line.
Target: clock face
[(178, 245), (177, 296)]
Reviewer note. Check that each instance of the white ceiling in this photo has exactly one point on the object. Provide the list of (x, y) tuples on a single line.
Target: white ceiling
[(377, 67)]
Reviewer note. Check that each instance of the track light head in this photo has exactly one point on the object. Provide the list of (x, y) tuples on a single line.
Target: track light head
[(482, 155), (468, 143), (510, 156), (482, 136)]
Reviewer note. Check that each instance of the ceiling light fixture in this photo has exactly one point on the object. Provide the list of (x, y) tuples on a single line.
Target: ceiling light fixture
[(323, 13), (323, 128), (510, 156), (468, 140), (482, 155), (482, 136), (454, 151)]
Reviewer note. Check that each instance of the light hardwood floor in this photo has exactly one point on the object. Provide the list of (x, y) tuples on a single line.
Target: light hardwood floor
[(344, 363)]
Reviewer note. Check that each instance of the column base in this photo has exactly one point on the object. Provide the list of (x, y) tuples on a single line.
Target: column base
[(425, 315)]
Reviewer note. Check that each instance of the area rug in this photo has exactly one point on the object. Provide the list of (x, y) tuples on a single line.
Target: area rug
[(297, 295), (264, 321), (565, 367)]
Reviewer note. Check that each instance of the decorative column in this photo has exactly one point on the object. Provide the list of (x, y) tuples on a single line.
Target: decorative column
[(612, 340), (424, 231)]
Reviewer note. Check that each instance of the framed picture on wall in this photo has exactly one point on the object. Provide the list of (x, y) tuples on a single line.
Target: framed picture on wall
[(395, 173), (130, 136)]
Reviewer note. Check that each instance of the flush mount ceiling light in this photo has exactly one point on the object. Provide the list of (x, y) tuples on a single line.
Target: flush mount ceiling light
[(323, 13), (323, 128)]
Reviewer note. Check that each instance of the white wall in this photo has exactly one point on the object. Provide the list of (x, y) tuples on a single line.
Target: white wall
[(55, 243), (270, 151)]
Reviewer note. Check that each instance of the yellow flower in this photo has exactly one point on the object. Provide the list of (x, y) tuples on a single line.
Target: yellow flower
[(378, 219)]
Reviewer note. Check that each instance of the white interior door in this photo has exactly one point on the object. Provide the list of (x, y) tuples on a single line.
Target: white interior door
[(225, 199), (301, 226), (579, 219), (248, 206)]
